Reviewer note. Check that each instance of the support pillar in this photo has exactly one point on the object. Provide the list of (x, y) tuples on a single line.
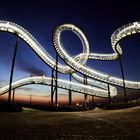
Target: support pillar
[(93, 104), (70, 94), (109, 99), (56, 77), (13, 95), (12, 71), (52, 92), (85, 95), (85, 100), (122, 72), (30, 99), (54, 88)]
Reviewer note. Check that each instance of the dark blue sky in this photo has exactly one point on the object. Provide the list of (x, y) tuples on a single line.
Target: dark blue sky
[(98, 19)]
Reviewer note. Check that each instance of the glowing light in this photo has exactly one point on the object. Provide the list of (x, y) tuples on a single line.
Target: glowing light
[(77, 104), (77, 63)]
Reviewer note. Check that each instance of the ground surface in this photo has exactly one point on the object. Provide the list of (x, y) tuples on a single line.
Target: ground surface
[(90, 125)]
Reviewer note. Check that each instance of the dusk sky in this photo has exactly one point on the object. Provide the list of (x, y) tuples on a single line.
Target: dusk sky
[(98, 19)]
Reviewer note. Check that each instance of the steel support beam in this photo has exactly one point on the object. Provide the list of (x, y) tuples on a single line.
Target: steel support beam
[(13, 95), (30, 99), (52, 89), (85, 95), (12, 70), (56, 77), (122, 72), (70, 94), (109, 99), (85, 100), (93, 104)]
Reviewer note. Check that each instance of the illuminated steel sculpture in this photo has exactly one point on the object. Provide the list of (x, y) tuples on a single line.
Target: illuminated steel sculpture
[(97, 82)]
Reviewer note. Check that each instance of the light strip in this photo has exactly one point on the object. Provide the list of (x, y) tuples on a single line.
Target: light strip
[(78, 62)]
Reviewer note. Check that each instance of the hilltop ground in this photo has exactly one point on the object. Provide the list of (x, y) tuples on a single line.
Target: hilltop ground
[(88, 125)]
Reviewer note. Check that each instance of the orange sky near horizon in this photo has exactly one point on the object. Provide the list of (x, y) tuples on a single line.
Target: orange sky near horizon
[(62, 99)]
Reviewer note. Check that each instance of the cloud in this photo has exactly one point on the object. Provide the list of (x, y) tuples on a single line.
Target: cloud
[(29, 68)]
